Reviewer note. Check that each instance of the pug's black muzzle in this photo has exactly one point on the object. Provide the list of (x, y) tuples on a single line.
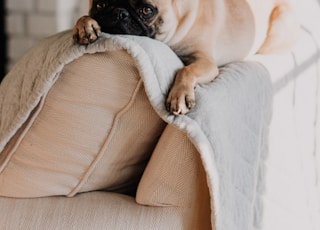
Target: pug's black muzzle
[(120, 18)]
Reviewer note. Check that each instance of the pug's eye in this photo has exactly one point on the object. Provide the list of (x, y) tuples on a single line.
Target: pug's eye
[(147, 12), (101, 5)]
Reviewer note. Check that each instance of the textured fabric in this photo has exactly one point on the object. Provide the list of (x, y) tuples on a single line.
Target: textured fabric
[(175, 177), (88, 211), (78, 139), (184, 190), (230, 146)]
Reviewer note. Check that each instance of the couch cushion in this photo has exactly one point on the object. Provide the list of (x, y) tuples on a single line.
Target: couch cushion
[(87, 211), (88, 133)]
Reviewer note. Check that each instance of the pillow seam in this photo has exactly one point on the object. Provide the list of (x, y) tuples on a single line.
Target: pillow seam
[(106, 143)]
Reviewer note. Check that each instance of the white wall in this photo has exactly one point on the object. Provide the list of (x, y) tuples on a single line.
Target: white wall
[(30, 20)]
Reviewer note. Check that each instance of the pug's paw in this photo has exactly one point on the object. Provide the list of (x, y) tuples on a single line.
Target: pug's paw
[(86, 30), (181, 98)]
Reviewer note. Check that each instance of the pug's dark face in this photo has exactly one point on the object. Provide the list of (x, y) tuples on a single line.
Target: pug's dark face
[(134, 17)]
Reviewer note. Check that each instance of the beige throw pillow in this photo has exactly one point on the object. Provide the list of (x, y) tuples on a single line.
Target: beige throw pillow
[(94, 130)]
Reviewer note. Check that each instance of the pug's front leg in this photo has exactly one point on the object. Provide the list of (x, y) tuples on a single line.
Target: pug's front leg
[(181, 98), (86, 30)]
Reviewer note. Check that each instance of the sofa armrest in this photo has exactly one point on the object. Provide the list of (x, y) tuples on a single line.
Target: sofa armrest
[(175, 177)]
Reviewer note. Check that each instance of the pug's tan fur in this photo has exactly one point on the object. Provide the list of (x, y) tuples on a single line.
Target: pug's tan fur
[(210, 33)]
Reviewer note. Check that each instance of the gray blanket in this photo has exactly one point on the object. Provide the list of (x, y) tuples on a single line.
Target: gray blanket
[(228, 126)]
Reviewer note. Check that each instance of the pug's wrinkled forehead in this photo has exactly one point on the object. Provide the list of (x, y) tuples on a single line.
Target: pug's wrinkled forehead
[(144, 8), (133, 3)]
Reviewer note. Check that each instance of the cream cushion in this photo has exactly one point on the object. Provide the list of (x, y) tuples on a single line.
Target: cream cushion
[(175, 177), (94, 130), (89, 211)]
